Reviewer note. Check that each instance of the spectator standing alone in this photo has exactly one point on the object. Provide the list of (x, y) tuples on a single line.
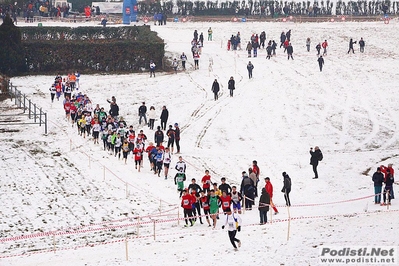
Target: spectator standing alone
[(362, 44), (250, 67), (177, 137), (308, 44), (315, 157), (231, 86), (164, 117), (287, 188), (321, 62)]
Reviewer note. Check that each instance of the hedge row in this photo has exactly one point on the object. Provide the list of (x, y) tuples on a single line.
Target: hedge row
[(116, 56), (136, 33), (51, 50)]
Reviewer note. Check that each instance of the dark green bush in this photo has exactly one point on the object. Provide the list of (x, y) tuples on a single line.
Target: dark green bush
[(87, 49)]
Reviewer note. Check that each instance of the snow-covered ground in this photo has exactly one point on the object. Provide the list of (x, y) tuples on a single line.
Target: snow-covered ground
[(62, 183)]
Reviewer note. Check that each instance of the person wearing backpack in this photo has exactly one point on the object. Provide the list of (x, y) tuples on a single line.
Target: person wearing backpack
[(233, 220), (315, 156), (286, 188)]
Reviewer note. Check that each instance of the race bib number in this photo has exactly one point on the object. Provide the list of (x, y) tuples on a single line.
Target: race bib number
[(185, 202), (225, 204)]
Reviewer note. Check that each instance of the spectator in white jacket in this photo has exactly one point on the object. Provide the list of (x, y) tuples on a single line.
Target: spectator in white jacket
[(151, 116)]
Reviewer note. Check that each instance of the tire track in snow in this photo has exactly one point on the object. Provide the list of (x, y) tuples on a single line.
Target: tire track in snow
[(354, 105)]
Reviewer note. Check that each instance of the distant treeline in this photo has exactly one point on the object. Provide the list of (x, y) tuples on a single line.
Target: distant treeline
[(270, 8)]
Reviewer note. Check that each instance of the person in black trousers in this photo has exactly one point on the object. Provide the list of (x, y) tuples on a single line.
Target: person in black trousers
[(321, 62), (315, 157), (250, 67), (231, 86), (215, 89), (287, 188), (177, 137), (290, 51), (351, 43), (233, 223), (164, 117)]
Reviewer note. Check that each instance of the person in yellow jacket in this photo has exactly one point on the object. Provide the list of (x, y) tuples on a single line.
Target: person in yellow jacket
[(218, 192), (82, 126)]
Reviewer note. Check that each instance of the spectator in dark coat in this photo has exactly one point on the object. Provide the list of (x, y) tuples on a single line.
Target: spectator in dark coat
[(388, 189), (288, 35), (215, 89), (378, 178), (321, 62), (315, 157), (231, 86), (290, 51), (250, 68), (247, 189), (362, 44), (177, 137), (164, 117), (263, 208), (282, 39), (286, 188)]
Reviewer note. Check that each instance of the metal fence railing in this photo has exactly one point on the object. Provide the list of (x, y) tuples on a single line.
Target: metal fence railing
[(29, 109)]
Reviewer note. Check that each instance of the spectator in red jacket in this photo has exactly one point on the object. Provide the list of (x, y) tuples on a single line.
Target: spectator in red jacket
[(269, 190), (187, 202), (286, 43), (386, 171)]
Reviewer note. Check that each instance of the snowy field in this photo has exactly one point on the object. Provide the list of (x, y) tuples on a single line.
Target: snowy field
[(61, 183)]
